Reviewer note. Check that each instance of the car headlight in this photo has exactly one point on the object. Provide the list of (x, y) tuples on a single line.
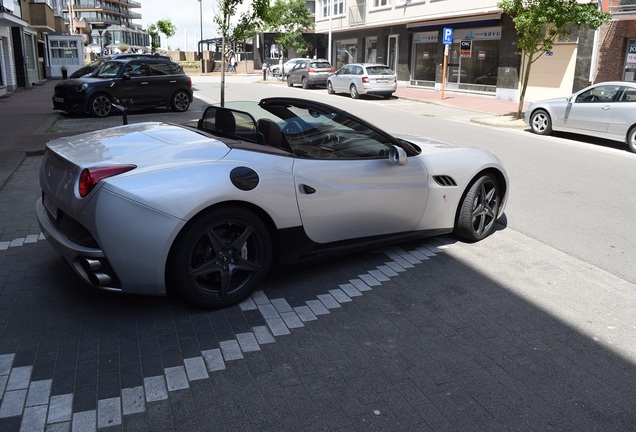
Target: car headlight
[(82, 88)]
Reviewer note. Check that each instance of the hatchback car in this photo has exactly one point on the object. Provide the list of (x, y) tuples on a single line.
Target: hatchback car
[(139, 83), (363, 78), (89, 69), (310, 73), (287, 66), (605, 110)]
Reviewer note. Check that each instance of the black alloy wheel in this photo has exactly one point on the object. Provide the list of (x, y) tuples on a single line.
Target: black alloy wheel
[(221, 257), (478, 210)]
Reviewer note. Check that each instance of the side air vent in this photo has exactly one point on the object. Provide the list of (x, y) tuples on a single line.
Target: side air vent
[(444, 180)]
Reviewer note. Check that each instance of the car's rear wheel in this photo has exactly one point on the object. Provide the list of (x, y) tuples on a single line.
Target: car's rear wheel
[(180, 101), (477, 213), (540, 122), (289, 81), (631, 139), (304, 83), (330, 88), (221, 257), (100, 106), (354, 92)]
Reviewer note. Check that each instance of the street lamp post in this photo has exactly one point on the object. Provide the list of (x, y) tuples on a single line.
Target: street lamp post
[(201, 36)]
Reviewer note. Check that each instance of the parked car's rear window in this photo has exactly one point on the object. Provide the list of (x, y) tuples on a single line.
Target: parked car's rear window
[(320, 65), (379, 70)]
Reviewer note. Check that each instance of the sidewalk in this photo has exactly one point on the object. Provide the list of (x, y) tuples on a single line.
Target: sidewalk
[(27, 115)]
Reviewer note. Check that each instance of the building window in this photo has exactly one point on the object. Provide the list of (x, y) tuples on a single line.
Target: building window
[(338, 7), (64, 52), (381, 3), (371, 50)]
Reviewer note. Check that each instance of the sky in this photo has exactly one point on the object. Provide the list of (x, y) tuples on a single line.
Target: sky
[(184, 15)]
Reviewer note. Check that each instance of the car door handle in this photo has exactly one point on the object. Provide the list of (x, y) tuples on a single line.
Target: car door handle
[(307, 189), (144, 83), (173, 81), (606, 107)]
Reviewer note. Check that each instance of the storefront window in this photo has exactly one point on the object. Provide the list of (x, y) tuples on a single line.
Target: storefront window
[(424, 54), (474, 56), (346, 52)]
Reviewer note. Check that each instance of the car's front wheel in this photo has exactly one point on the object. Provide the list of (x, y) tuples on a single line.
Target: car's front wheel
[(330, 89), (180, 101), (221, 257), (540, 122), (631, 139), (478, 210), (100, 106), (353, 91)]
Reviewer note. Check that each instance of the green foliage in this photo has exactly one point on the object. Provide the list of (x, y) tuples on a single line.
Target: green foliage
[(164, 26), (123, 47), (290, 18), (153, 31), (539, 24)]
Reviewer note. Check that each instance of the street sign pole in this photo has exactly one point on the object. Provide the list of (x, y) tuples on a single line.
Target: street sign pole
[(447, 40)]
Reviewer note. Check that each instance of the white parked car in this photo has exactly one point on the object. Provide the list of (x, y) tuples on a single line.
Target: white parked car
[(363, 78), (208, 211)]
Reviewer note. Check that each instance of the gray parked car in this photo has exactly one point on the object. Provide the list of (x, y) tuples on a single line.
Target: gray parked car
[(605, 110), (310, 73), (363, 78)]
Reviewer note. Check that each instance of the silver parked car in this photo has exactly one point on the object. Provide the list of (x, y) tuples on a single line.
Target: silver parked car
[(310, 73), (363, 78), (207, 211), (605, 110)]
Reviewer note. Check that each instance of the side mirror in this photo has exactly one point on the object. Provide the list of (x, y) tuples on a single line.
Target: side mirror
[(397, 155)]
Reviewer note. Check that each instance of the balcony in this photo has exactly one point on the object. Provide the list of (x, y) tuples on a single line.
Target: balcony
[(357, 15), (623, 9)]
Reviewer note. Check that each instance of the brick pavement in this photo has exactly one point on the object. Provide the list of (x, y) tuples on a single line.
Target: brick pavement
[(408, 338)]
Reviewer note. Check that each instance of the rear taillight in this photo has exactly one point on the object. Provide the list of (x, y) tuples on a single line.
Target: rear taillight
[(365, 79), (91, 176), (332, 70), (311, 70)]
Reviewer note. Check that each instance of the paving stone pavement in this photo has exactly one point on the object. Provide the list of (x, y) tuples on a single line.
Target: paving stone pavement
[(504, 334)]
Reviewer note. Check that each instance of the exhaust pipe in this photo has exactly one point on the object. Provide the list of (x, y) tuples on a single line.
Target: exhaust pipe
[(91, 265), (100, 279)]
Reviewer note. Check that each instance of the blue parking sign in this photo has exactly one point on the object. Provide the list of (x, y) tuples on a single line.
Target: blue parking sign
[(447, 36)]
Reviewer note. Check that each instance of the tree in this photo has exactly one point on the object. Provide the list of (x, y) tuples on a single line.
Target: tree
[(164, 26), (290, 18), (539, 23)]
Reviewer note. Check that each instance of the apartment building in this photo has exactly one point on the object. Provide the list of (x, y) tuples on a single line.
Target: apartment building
[(107, 24), (407, 35), (616, 59)]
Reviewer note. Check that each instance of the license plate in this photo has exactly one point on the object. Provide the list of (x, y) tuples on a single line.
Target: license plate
[(382, 80), (50, 207), (59, 99)]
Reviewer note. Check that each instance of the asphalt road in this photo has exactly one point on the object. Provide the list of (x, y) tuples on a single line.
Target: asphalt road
[(517, 332)]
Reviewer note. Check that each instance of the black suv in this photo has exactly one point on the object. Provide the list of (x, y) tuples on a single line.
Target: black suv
[(137, 83), (89, 69)]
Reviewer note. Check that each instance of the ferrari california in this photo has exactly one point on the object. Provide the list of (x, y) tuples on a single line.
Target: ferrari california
[(207, 211)]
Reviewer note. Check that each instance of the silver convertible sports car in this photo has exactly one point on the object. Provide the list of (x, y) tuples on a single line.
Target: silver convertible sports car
[(208, 211), (605, 110)]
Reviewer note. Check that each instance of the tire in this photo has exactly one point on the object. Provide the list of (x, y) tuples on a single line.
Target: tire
[(100, 106), (353, 91), (477, 213), (540, 122), (180, 101), (220, 258), (330, 88), (303, 81), (289, 81), (631, 140)]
